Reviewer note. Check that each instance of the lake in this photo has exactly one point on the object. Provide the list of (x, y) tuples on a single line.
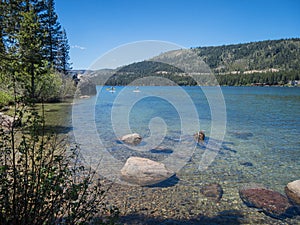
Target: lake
[(252, 135)]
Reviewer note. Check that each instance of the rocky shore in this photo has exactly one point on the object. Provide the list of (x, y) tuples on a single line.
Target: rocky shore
[(185, 201), (218, 195), (185, 204)]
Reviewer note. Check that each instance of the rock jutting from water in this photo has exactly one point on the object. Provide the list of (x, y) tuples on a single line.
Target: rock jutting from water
[(272, 203), (132, 139), (144, 172), (292, 191), (199, 136)]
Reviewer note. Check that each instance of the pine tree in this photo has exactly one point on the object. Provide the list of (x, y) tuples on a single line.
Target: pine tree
[(10, 17), (30, 49), (10, 23), (63, 53), (51, 29), (2, 12)]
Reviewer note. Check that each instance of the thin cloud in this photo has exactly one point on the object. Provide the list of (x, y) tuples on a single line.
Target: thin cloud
[(78, 47)]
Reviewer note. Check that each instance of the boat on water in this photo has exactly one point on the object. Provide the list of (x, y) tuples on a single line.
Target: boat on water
[(136, 89), (111, 89)]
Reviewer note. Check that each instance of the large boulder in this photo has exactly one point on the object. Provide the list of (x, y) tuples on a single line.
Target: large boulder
[(132, 139), (270, 202), (292, 191), (144, 172)]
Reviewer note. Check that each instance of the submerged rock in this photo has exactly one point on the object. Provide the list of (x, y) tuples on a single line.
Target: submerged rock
[(247, 164), (213, 191), (144, 172), (270, 202), (161, 150), (292, 191), (242, 135), (132, 139)]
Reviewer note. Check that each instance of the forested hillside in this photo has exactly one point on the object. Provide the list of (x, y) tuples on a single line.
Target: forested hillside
[(272, 62), (132, 72), (281, 55)]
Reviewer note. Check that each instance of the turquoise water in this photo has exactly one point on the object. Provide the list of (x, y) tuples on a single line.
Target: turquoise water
[(258, 141)]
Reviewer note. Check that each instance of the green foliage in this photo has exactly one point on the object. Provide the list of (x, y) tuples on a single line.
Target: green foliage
[(32, 45), (29, 38), (268, 78), (68, 88), (5, 98), (281, 54), (30, 51), (135, 71), (55, 42), (50, 87), (42, 182), (62, 64), (51, 30), (149, 67), (273, 62), (53, 87)]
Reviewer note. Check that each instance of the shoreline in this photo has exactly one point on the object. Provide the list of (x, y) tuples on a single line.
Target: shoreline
[(182, 203)]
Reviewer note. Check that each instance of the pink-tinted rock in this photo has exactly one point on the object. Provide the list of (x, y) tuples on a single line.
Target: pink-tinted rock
[(144, 172), (132, 139), (292, 190), (270, 202)]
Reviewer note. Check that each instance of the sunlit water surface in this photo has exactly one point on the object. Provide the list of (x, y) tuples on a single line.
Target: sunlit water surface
[(261, 142)]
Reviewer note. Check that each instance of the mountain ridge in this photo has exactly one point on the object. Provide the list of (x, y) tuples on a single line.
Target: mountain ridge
[(273, 62)]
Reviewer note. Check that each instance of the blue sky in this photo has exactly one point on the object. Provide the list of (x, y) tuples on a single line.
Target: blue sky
[(95, 27)]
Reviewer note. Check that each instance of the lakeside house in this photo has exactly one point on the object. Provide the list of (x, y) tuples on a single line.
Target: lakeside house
[(294, 82)]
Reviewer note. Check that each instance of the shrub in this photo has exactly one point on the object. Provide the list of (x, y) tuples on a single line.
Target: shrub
[(49, 87), (5, 98), (43, 182)]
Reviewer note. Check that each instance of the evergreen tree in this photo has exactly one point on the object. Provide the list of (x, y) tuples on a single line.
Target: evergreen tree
[(10, 23), (10, 18), (63, 53), (31, 41), (30, 49), (2, 47), (51, 30)]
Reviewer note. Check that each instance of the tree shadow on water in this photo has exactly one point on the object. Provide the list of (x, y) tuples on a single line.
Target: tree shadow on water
[(57, 129), (232, 217)]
